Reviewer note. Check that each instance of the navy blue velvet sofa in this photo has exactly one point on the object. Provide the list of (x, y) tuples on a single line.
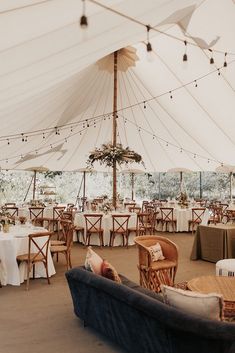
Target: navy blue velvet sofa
[(140, 322)]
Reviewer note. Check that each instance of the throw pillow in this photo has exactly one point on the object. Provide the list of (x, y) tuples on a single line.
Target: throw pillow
[(209, 306), (93, 261), (156, 252), (110, 272)]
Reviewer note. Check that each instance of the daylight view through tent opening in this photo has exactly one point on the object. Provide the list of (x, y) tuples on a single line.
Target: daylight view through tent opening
[(117, 198)]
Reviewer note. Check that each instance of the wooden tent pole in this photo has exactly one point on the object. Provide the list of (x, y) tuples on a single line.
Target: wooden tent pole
[(115, 58), (34, 184), (132, 185)]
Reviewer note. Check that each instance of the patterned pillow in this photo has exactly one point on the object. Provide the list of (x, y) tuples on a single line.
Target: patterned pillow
[(110, 272), (93, 261), (209, 306), (156, 252)]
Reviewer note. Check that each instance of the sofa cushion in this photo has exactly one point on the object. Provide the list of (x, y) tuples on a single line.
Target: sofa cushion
[(93, 261), (156, 252), (209, 306), (138, 288), (108, 271)]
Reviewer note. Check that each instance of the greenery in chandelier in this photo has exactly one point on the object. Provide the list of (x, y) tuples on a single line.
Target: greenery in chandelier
[(108, 153)]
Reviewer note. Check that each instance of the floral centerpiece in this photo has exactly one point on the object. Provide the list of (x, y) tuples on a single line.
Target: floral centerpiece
[(106, 207), (107, 154), (6, 219), (182, 199)]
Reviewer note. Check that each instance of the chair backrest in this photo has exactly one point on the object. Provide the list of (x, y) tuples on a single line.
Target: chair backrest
[(67, 228), (13, 211), (169, 248), (144, 218), (66, 215), (135, 209), (10, 204), (167, 214), (57, 212), (197, 214), (93, 221), (129, 204), (39, 245), (36, 212), (120, 223)]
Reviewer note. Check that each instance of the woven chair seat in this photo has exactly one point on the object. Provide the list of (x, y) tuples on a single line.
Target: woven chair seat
[(156, 265), (57, 242), (95, 230), (33, 256), (58, 248)]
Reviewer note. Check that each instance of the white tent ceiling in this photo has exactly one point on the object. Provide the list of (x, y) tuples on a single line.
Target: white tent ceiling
[(49, 77)]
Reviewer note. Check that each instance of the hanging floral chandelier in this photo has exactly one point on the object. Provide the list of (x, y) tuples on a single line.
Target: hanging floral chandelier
[(107, 154)]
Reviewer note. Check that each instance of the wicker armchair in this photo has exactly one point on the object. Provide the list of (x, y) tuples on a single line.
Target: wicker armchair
[(155, 273)]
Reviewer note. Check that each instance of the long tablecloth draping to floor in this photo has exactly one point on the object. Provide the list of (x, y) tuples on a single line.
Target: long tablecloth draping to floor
[(214, 242), (79, 220), (13, 244), (182, 216)]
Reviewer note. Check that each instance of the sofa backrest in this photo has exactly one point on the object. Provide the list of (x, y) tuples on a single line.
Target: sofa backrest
[(136, 320)]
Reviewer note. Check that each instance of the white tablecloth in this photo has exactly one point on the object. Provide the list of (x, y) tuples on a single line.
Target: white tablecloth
[(79, 220), (24, 212), (182, 216), (16, 243)]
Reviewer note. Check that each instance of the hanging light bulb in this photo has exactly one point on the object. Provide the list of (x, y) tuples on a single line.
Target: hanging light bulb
[(211, 59), (185, 56), (225, 60), (149, 46), (83, 18)]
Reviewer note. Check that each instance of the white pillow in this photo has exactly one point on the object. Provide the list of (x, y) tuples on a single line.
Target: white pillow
[(93, 261), (156, 252), (209, 306)]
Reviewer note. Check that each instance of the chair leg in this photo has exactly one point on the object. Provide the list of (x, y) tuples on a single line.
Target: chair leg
[(46, 268), (28, 273)]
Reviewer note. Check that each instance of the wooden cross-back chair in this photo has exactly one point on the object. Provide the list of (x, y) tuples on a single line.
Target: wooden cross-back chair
[(13, 211), (119, 227), (93, 226), (36, 215), (154, 273), (129, 204), (167, 217), (57, 212), (10, 204), (146, 223), (216, 213), (65, 249), (37, 252), (197, 215), (134, 209)]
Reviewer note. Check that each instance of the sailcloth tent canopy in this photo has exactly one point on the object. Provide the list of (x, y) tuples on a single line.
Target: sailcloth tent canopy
[(56, 82)]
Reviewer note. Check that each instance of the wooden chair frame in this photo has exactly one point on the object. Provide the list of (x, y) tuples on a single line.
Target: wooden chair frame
[(119, 226), (67, 231), (93, 226), (153, 274), (197, 215), (41, 254), (14, 211), (167, 216)]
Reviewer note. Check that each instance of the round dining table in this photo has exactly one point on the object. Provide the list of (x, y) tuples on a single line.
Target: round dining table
[(13, 244)]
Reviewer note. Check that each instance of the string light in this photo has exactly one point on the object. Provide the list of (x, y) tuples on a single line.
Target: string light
[(170, 94), (218, 72), (211, 58), (225, 60), (144, 105), (195, 83), (148, 45), (83, 18), (185, 57)]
